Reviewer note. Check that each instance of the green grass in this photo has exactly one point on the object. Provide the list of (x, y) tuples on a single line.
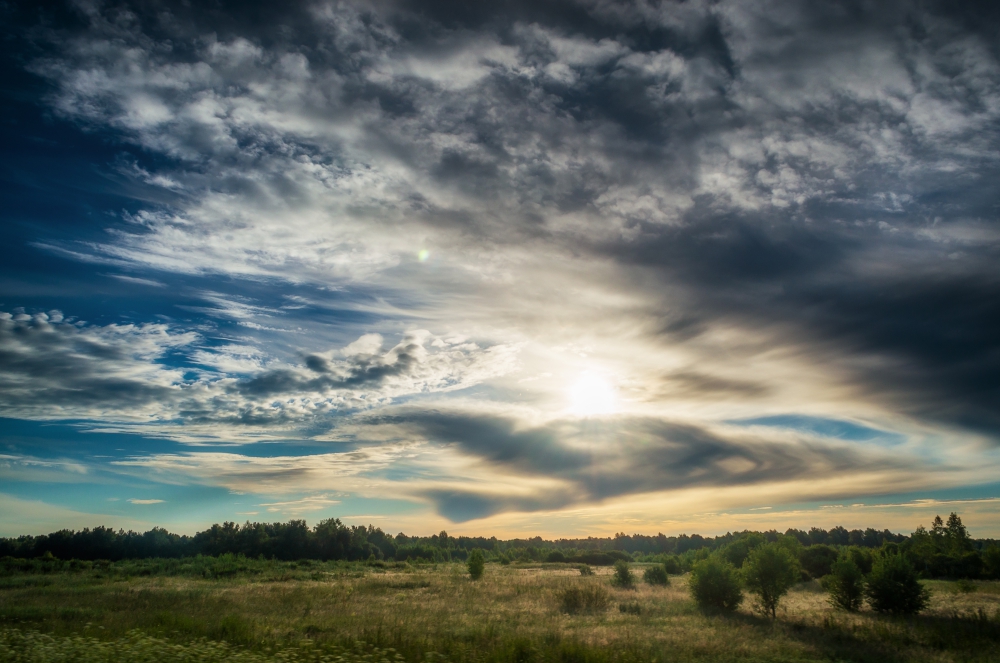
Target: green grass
[(276, 611)]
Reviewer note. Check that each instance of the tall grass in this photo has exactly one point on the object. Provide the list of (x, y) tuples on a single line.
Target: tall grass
[(433, 614), (17, 646)]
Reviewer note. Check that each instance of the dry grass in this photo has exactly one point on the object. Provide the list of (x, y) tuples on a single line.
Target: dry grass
[(512, 614)]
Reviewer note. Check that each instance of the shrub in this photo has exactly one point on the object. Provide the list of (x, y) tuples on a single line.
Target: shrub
[(714, 585), (846, 584), (769, 572), (594, 559), (623, 576), (585, 570), (588, 598), (965, 586), (672, 565), (893, 587), (630, 608), (556, 556), (476, 564), (656, 575)]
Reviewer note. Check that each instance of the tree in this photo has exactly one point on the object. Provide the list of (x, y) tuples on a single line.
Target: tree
[(893, 587), (818, 560), (846, 583), (715, 585), (991, 562), (769, 572), (556, 556), (476, 564), (623, 576), (737, 552), (959, 541)]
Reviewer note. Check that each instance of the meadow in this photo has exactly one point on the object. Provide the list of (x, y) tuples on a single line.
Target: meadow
[(233, 609)]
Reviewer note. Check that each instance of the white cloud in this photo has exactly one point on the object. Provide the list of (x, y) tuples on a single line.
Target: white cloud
[(54, 369), (701, 223)]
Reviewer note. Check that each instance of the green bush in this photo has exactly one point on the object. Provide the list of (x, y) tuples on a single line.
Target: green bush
[(656, 575), (769, 572), (846, 584), (587, 598), (476, 564), (714, 585), (623, 576), (585, 570), (672, 565), (893, 587), (630, 608)]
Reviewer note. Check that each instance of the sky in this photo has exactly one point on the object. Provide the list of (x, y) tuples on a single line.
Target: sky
[(514, 269)]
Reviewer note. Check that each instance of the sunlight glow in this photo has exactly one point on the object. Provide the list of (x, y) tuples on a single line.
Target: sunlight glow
[(592, 395)]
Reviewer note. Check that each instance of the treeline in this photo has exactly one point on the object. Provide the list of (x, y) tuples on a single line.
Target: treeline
[(944, 550), (332, 540)]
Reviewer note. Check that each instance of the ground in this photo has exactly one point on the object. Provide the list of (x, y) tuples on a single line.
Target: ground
[(431, 612)]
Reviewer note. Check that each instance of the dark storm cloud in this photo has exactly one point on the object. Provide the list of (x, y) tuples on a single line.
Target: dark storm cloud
[(616, 457)]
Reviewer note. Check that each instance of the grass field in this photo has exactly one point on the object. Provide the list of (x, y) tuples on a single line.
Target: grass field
[(435, 613)]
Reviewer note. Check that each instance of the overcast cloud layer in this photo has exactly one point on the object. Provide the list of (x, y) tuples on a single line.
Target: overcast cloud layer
[(492, 260)]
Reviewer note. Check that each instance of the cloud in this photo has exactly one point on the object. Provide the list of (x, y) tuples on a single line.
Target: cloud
[(35, 517), (588, 462), (711, 159), (51, 368), (300, 506), (55, 369), (137, 501), (25, 468), (273, 475), (734, 211)]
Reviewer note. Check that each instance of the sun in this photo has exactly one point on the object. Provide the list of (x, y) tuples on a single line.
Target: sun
[(592, 395)]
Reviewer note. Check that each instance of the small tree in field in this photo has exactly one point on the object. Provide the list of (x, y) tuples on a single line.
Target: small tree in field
[(846, 583), (893, 587), (623, 576), (769, 572), (476, 564), (656, 575), (715, 585)]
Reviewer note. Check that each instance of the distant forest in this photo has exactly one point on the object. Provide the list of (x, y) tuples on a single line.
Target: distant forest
[(944, 550)]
